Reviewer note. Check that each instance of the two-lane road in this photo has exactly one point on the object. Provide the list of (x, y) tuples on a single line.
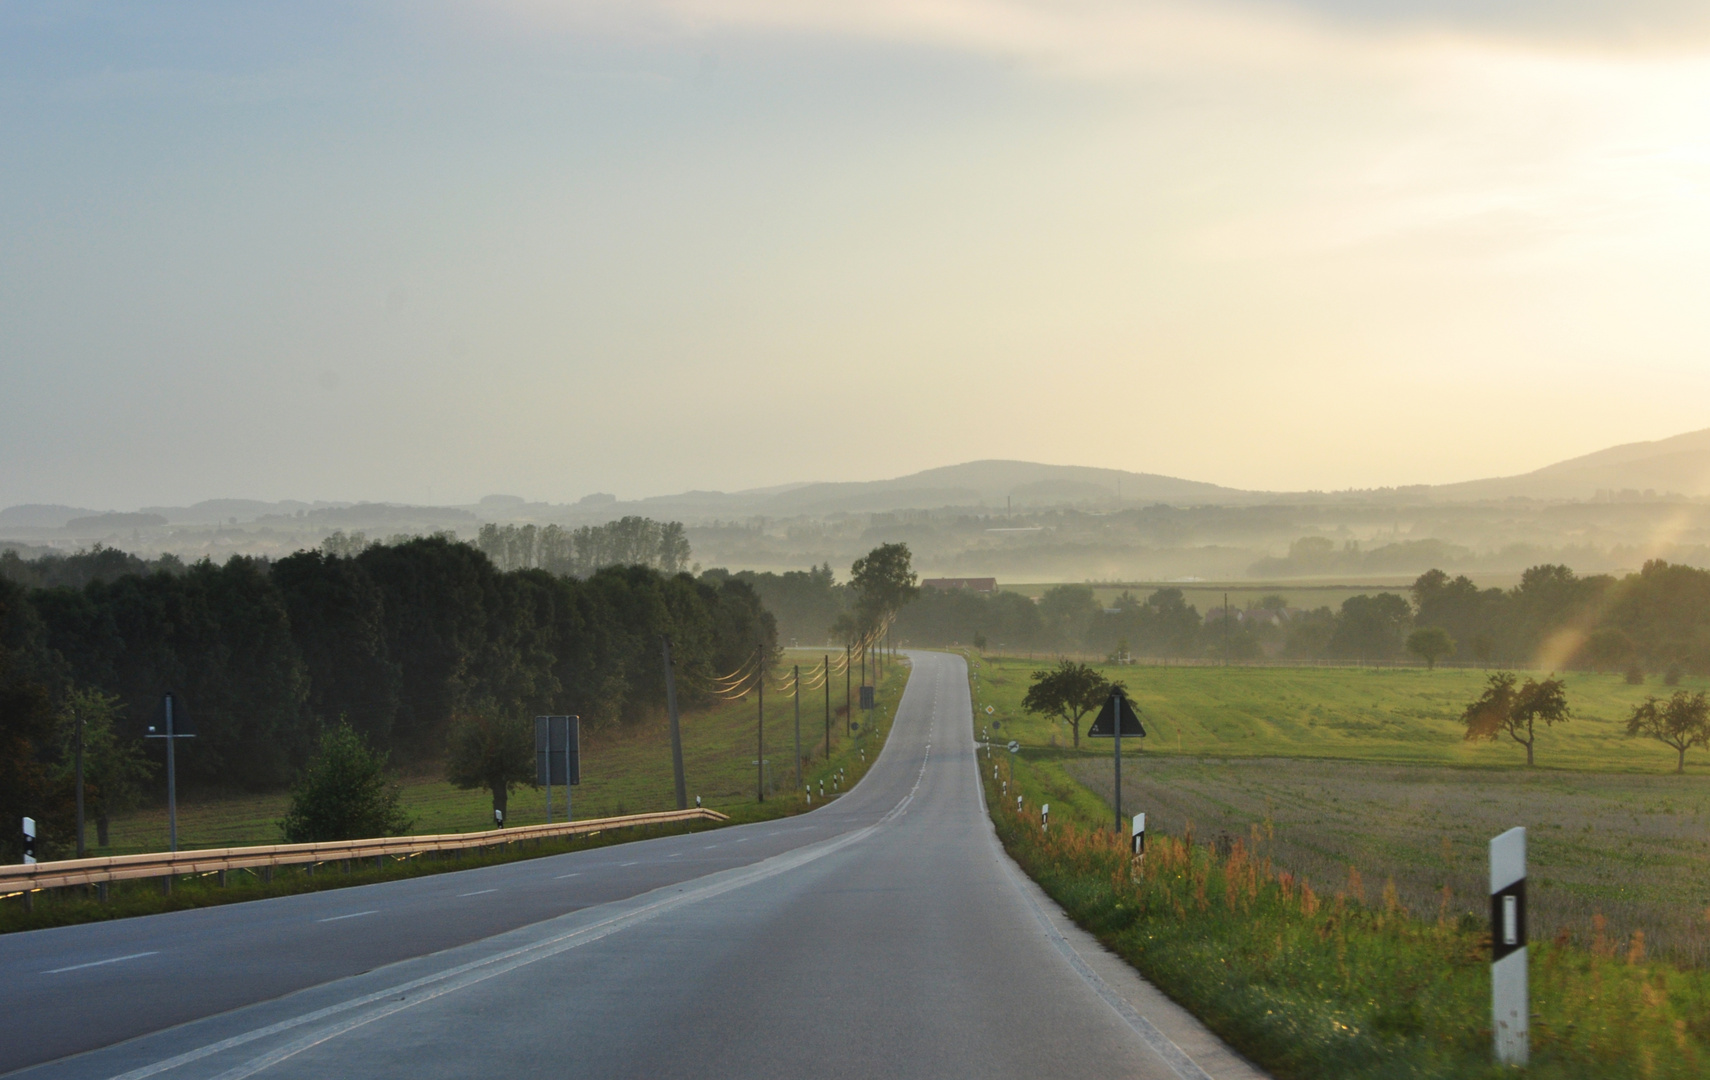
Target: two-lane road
[(885, 934)]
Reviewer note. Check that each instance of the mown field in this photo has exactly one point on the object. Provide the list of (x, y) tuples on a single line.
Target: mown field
[(1401, 716), (625, 770), (1363, 769)]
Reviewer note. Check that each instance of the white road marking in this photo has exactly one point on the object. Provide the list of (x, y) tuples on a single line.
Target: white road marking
[(477, 892), (383, 1003), (635, 863), (561, 877), (99, 963), (352, 915), (674, 855)]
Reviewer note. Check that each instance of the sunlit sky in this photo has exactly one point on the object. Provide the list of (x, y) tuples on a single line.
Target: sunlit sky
[(425, 252)]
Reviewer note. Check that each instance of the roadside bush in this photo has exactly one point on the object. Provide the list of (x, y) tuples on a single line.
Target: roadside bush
[(344, 794)]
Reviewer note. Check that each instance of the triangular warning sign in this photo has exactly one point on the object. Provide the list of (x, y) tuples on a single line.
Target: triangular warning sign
[(1105, 726)]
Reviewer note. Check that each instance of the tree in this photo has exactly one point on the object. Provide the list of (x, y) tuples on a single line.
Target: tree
[(1068, 612), (1431, 644), (1068, 691), (114, 769), (1504, 709), (344, 793), (883, 581), (493, 750), (1370, 627), (1681, 722)]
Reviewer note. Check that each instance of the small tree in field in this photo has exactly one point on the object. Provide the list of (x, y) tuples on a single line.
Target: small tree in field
[(344, 794), (1068, 691), (490, 749), (1680, 723), (1504, 709), (1431, 644), (114, 768)]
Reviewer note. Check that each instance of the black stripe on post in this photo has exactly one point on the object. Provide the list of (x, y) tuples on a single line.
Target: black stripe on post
[(1508, 920)]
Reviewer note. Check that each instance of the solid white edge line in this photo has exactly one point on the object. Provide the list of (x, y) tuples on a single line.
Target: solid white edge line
[(352, 915), (101, 963), (1162, 1045), (477, 892)]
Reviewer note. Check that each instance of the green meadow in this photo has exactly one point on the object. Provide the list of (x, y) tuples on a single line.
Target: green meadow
[(1398, 715)]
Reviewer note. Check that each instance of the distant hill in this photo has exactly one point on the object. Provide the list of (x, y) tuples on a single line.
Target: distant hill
[(1679, 465)]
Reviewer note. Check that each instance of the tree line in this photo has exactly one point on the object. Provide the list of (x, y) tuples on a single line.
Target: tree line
[(396, 641), (1655, 620)]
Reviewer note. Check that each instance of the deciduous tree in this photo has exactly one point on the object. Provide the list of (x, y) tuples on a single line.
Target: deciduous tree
[(491, 749), (1431, 644), (1680, 723), (1515, 711), (1068, 691)]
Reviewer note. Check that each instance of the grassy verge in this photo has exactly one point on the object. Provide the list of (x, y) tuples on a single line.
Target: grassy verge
[(625, 772), (1344, 982)]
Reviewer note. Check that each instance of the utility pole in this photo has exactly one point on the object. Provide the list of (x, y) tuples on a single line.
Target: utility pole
[(828, 706), (676, 729), (81, 850), (848, 701), (798, 725), (1225, 629), (760, 758)]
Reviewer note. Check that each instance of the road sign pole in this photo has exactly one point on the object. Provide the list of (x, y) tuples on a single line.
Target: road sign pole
[(676, 729), (1509, 996), (1118, 742)]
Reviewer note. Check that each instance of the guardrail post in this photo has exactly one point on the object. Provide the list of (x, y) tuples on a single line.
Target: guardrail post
[(101, 892), (267, 875), (166, 885), (222, 879), (29, 901)]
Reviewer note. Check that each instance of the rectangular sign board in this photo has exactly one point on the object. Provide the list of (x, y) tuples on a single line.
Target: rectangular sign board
[(557, 750), (866, 697)]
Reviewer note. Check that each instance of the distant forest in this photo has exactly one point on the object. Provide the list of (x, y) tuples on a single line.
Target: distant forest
[(1656, 619), (396, 638)]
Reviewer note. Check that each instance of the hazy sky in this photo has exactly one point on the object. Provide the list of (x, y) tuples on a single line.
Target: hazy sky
[(424, 252)]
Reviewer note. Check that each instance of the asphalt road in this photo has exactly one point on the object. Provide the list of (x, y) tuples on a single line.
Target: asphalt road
[(885, 934)]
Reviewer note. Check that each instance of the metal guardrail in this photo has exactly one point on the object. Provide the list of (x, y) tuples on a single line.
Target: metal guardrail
[(48, 875)]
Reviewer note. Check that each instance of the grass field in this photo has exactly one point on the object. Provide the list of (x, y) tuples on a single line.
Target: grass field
[(1367, 769), (1401, 716), (624, 771)]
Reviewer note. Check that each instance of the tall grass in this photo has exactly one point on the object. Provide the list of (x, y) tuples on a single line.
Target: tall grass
[(1338, 978)]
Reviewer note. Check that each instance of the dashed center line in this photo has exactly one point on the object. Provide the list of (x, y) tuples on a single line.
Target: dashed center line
[(477, 892), (635, 863), (674, 855), (561, 877), (99, 963), (352, 915)]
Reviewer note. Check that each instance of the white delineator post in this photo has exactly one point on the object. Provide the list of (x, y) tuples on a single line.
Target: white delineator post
[(1045, 818), (1138, 836), (1509, 996)]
